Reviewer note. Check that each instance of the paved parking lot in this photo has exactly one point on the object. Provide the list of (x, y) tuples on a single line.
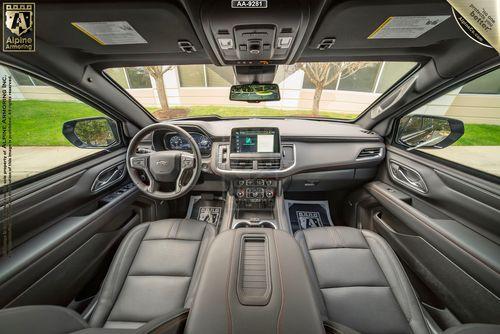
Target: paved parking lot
[(31, 160)]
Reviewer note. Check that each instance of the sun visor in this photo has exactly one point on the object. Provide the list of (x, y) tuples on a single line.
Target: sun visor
[(111, 28), (355, 25)]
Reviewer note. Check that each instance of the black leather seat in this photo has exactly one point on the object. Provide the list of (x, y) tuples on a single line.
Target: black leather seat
[(361, 281), (155, 271), (153, 276)]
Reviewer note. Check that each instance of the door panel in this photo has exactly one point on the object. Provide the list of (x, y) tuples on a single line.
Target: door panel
[(62, 232), (469, 300), (449, 235)]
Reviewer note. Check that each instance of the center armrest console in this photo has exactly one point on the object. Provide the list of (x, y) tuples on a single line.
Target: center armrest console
[(255, 281)]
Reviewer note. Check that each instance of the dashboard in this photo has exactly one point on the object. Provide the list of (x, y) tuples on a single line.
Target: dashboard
[(278, 148)]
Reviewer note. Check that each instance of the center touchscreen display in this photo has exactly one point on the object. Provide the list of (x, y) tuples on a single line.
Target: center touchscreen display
[(255, 140)]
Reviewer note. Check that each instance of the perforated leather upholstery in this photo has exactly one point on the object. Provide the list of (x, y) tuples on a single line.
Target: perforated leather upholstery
[(154, 271), (360, 280)]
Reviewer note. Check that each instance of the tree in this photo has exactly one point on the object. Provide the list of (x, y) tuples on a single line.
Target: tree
[(157, 73), (95, 132), (323, 74)]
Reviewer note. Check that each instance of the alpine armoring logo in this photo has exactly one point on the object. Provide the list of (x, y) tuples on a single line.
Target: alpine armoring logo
[(19, 28)]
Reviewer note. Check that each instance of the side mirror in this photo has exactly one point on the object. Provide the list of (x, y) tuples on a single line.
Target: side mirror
[(416, 131), (92, 132)]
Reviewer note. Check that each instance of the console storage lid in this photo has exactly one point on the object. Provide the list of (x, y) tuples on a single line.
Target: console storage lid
[(255, 281)]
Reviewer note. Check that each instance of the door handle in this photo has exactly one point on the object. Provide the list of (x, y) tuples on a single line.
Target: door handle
[(108, 177), (407, 176)]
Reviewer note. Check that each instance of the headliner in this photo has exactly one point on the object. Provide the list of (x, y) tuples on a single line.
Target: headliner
[(163, 23)]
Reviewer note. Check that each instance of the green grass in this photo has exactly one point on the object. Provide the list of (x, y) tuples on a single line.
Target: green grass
[(480, 135), (39, 123)]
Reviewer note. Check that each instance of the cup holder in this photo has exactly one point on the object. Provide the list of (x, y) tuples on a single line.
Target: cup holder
[(258, 224)]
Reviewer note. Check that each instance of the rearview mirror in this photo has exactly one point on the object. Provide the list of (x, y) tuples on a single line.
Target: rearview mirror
[(416, 131), (255, 92), (93, 132)]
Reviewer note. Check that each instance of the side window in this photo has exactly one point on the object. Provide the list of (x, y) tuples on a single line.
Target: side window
[(474, 108), (44, 133)]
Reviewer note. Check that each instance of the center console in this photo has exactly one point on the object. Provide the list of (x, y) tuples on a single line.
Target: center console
[(254, 161), (255, 193), (254, 202), (255, 281), (254, 153)]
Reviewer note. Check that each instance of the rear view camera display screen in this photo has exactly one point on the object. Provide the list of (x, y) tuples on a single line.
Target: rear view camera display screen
[(255, 140)]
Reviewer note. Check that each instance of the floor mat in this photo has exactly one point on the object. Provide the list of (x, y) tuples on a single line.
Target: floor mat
[(207, 209), (307, 214)]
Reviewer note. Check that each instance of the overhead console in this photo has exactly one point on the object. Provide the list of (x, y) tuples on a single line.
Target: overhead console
[(255, 36)]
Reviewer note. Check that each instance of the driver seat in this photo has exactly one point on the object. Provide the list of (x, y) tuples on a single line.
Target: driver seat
[(155, 271)]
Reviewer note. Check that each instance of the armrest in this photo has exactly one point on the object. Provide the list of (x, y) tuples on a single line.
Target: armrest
[(255, 280), (41, 319)]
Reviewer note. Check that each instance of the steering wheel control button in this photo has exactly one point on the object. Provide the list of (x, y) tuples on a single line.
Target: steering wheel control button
[(138, 162), (187, 162)]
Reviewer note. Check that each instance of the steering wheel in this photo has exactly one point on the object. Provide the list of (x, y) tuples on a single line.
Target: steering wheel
[(164, 166)]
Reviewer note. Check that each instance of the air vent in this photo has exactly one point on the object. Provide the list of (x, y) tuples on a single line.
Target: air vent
[(287, 155), (371, 152), (241, 164), (269, 164)]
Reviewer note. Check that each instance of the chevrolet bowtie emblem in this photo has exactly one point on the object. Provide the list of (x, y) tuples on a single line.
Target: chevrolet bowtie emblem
[(161, 163)]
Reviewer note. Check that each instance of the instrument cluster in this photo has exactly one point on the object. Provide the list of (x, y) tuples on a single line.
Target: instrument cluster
[(175, 141)]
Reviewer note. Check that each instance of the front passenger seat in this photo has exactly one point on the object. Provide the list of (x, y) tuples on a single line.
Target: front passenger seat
[(155, 271), (361, 281)]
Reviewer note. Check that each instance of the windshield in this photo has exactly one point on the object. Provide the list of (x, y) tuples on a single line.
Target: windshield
[(339, 90)]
